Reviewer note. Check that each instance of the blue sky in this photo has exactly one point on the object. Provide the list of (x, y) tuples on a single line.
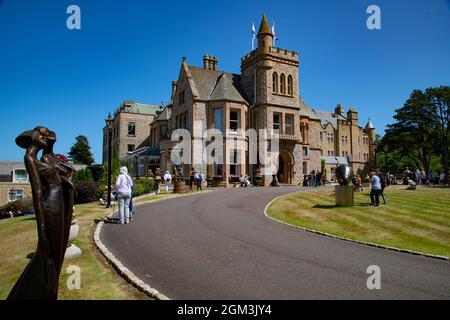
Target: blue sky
[(70, 80)]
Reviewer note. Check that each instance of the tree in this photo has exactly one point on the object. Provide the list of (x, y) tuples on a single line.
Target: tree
[(83, 175), (439, 103), (80, 152), (412, 136)]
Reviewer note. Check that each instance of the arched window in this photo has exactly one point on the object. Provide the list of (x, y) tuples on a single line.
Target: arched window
[(283, 84), (275, 82), (290, 86)]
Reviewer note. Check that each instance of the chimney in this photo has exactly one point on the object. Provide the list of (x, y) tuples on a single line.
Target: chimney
[(352, 115), (174, 88), (339, 110), (210, 62)]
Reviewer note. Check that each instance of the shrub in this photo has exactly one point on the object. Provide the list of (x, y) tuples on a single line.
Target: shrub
[(87, 192), (83, 175), (143, 186)]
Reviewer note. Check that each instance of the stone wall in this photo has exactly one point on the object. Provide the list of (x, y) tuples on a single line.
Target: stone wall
[(6, 187)]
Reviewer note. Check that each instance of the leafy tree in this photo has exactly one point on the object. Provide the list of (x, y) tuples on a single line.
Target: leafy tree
[(81, 151), (439, 104), (412, 136), (83, 175)]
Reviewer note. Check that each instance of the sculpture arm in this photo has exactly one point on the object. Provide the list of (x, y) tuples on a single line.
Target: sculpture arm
[(37, 192)]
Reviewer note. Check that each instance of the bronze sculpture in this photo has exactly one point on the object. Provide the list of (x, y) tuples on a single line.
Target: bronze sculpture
[(344, 174), (53, 199)]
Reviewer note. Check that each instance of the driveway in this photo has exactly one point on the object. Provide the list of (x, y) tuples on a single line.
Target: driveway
[(220, 245)]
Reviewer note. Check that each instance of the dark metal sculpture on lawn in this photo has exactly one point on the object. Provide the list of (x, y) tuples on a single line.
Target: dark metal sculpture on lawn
[(53, 199)]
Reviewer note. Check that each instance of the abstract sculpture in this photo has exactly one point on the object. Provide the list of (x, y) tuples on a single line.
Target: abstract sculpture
[(344, 174), (344, 193), (53, 199)]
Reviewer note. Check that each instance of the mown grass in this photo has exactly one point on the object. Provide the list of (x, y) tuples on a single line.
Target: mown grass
[(18, 238), (416, 220)]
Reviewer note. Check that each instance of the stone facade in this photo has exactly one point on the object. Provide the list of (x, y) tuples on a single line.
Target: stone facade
[(125, 139), (7, 187), (264, 96)]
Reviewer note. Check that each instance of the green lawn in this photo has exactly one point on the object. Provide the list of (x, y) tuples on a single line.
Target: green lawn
[(416, 220), (18, 238)]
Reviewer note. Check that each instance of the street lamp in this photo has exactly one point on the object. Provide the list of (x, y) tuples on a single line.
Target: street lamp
[(386, 149), (109, 125)]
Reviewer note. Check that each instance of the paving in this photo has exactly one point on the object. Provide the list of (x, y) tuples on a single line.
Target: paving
[(220, 245)]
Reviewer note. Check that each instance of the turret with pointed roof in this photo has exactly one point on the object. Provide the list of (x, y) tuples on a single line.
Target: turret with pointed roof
[(265, 36)]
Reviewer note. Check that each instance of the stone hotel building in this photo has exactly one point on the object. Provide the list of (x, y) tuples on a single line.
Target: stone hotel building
[(264, 95)]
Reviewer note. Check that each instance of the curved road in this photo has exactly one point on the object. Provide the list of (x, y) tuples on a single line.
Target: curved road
[(220, 245)]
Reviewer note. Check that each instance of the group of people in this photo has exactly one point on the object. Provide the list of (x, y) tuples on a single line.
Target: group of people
[(314, 179), (420, 177), (197, 179)]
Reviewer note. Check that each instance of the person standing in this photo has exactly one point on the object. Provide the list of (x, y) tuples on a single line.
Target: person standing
[(167, 181), (375, 190), (442, 178), (417, 177), (192, 179), (124, 185), (157, 179), (198, 180), (383, 183)]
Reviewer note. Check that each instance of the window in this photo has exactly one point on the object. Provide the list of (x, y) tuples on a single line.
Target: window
[(218, 169), (305, 151), (283, 84), (185, 116), (275, 82), (182, 97), (234, 120), (218, 119), (131, 147), (234, 163), (276, 121), (330, 137), (289, 86), (321, 135), (20, 175), (131, 129), (330, 153), (15, 195), (289, 126)]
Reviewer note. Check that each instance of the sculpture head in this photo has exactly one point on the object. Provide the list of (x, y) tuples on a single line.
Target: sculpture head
[(39, 137)]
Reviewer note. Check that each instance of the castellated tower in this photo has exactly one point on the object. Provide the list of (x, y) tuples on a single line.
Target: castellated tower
[(270, 74), (269, 78)]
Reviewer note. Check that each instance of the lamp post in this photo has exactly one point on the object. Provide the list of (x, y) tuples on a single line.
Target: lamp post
[(386, 149), (109, 124)]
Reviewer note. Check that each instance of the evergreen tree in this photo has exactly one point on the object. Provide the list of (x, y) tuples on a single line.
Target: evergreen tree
[(80, 152)]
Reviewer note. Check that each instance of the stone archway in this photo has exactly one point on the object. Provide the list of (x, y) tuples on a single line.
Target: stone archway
[(285, 167)]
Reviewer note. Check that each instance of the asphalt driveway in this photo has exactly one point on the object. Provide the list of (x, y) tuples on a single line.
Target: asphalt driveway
[(220, 245)]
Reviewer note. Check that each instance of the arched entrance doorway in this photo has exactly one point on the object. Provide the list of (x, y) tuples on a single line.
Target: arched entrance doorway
[(285, 167)]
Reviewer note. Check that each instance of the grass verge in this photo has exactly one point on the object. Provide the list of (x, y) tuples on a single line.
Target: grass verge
[(416, 220), (18, 238)]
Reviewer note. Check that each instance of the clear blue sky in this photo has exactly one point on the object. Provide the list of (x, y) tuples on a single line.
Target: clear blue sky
[(70, 80)]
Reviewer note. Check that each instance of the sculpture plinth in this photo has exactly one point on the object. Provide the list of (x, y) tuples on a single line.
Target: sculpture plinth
[(344, 196)]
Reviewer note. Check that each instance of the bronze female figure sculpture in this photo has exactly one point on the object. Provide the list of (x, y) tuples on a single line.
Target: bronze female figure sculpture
[(53, 199)]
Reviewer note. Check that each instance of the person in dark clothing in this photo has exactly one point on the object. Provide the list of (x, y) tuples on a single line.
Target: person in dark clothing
[(383, 182), (192, 179)]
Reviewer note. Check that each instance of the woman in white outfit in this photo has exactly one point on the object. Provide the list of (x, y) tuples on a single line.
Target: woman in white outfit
[(167, 180), (124, 185)]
